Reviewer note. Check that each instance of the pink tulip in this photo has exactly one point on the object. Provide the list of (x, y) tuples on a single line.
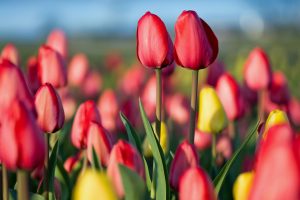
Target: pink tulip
[(86, 113), (98, 139), (177, 108), (10, 52), (185, 158), (195, 184), (78, 69), (196, 45), (51, 67), (258, 64), (49, 109), (202, 140), (21, 140), (71, 162), (125, 154), (113, 60), (154, 45), (148, 97), (224, 148), (92, 84), (58, 41)]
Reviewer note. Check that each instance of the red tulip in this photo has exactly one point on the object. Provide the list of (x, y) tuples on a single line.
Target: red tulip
[(108, 109), (196, 185), (71, 162), (32, 74), (13, 85), (125, 154), (21, 140), (92, 84), (256, 65), (279, 92), (229, 94), (86, 113), (51, 67), (98, 139), (177, 108), (277, 169), (49, 109), (58, 41), (196, 45), (78, 69), (185, 157), (10, 52), (154, 45), (215, 70), (202, 140), (294, 111)]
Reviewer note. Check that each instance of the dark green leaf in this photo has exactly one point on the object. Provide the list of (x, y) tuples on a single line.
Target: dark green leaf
[(218, 181), (63, 175), (52, 165), (96, 164), (134, 185), (32, 196), (162, 186)]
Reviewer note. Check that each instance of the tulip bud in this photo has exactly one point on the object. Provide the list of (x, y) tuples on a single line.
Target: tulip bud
[(279, 91), (92, 84), (21, 140), (49, 109), (185, 157), (93, 185), (229, 94), (154, 45), (196, 185), (196, 45), (51, 67), (98, 139), (275, 117), (72, 162), (57, 40), (13, 85), (202, 140), (215, 70), (277, 169), (86, 113), (10, 52), (32, 74), (212, 117), (258, 63), (242, 186), (125, 154), (78, 69), (163, 140)]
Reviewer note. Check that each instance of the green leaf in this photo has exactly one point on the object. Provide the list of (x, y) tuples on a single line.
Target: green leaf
[(135, 140), (134, 185), (162, 186), (63, 175), (96, 164), (219, 180), (32, 196), (52, 165)]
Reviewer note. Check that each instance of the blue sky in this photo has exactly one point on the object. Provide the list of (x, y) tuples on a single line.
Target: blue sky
[(34, 19)]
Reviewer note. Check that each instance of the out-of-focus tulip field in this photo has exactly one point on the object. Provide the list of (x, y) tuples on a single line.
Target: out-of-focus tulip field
[(192, 114)]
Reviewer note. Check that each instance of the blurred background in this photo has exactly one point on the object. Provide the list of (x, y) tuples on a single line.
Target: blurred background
[(102, 28)]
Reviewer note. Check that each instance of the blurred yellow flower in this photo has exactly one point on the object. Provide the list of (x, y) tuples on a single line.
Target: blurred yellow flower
[(242, 186), (212, 117), (93, 185), (276, 117), (163, 140)]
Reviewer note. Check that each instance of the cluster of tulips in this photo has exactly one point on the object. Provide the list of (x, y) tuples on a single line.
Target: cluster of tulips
[(37, 107)]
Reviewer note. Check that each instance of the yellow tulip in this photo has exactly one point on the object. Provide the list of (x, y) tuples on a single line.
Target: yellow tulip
[(212, 117), (242, 186), (93, 185), (163, 140), (276, 117)]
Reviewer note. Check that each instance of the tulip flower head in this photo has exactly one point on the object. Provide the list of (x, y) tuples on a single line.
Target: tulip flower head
[(214, 71), (32, 74), (49, 109), (279, 92), (195, 184), (202, 140), (242, 186), (185, 157), (51, 67), (212, 117), (93, 185), (125, 154), (10, 52), (78, 69), (276, 117), (86, 113), (196, 45), (258, 65), (154, 45), (58, 41)]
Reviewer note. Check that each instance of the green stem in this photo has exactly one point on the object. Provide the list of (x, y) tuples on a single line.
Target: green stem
[(261, 105), (193, 105), (214, 149), (22, 185), (46, 175), (4, 183), (231, 129)]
